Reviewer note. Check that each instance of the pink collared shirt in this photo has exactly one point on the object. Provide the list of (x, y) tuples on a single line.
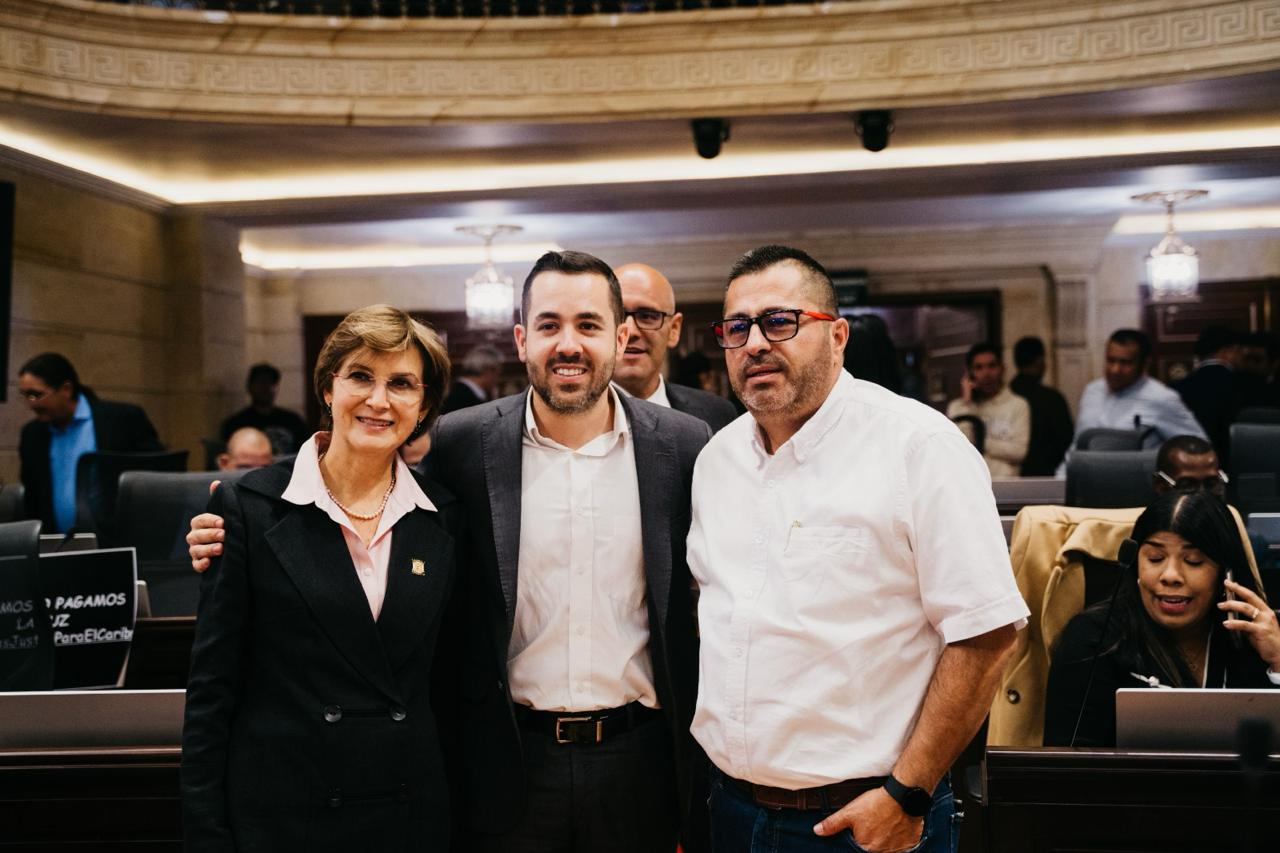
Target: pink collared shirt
[(306, 486)]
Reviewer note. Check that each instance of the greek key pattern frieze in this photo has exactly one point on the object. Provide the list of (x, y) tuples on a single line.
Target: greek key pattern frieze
[(1178, 41)]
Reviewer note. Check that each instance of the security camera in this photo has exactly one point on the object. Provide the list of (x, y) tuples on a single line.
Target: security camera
[(708, 134), (874, 126)]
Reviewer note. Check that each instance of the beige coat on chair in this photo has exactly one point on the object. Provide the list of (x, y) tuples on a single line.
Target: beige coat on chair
[(1047, 549)]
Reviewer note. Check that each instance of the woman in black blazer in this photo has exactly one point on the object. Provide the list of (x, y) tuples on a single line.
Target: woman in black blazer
[(308, 720)]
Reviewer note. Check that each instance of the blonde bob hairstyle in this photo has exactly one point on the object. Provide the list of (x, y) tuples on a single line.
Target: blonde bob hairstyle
[(382, 328)]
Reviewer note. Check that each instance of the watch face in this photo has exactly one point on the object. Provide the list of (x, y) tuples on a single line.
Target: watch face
[(916, 802)]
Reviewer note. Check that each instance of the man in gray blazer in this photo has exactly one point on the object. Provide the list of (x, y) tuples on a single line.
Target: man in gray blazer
[(577, 652), (650, 306)]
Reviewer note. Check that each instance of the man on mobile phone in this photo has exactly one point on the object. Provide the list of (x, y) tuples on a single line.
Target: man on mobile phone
[(1005, 417)]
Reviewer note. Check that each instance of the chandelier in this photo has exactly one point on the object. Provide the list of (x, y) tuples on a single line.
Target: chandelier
[(1173, 268), (490, 293)]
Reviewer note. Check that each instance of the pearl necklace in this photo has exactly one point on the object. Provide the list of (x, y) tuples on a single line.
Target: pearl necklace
[(357, 516)]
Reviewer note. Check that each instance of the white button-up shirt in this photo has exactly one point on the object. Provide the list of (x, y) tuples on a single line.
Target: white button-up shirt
[(832, 574), (581, 635)]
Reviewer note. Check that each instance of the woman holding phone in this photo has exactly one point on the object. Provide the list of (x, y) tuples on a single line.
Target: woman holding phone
[(1188, 613), (308, 718)]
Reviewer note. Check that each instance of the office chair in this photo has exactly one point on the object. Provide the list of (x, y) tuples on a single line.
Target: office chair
[(153, 511), (97, 483), (29, 666), (1103, 438), (1255, 467), (13, 504), (1110, 478), (1259, 415)]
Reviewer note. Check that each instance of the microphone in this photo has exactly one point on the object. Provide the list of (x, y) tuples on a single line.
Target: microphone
[(1125, 557)]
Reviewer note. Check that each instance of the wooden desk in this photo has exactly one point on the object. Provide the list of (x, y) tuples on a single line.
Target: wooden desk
[(1048, 800), (111, 800)]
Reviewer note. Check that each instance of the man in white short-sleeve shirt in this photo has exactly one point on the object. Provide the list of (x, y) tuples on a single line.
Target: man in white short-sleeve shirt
[(857, 599)]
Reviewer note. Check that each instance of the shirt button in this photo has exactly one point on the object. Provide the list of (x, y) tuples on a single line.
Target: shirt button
[(759, 540), (582, 630), (771, 483)]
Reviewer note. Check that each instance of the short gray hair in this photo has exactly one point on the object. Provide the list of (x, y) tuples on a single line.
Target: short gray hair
[(481, 359)]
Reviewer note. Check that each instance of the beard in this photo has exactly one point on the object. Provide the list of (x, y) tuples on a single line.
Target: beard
[(799, 389), (569, 402)]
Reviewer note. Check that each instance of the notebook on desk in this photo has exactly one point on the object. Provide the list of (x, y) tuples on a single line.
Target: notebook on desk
[(1190, 720)]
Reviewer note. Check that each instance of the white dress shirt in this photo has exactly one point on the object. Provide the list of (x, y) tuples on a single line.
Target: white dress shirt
[(581, 635), (832, 575), (658, 397), (1149, 401)]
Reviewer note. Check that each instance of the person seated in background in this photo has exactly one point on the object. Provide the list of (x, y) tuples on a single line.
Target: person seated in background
[(1215, 391), (1187, 463), (1186, 612), (285, 428), (1126, 398), (247, 448), (1051, 426), (477, 382), (1261, 362), (1006, 416), (70, 421), (870, 354)]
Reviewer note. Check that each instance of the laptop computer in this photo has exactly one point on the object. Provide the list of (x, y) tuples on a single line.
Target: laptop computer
[(1191, 720)]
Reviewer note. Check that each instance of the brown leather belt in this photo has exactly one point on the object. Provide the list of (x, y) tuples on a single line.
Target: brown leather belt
[(585, 727), (823, 798)]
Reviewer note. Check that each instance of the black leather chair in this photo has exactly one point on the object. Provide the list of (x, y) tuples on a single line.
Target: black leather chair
[(28, 665), (153, 514), (1110, 478), (97, 482), (1102, 438), (1259, 415), (1255, 467), (13, 505)]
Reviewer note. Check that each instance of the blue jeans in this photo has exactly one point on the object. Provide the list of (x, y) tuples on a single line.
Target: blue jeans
[(738, 825)]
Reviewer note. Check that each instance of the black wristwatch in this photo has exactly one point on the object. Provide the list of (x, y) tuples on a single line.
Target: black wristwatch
[(915, 802)]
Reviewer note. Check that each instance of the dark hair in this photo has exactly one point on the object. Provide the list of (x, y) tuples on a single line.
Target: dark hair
[(1137, 641), (690, 368), (870, 353), (1191, 445), (815, 275), (1125, 337), (978, 349), (263, 371), (54, 370), (574, 263), (1213, 339), (1027, 350)]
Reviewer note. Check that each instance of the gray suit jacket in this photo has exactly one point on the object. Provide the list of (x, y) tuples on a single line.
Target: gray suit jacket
[(715, 410), (476, 454)]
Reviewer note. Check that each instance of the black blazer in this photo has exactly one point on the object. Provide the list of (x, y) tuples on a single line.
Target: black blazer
[(120, 427), (715, 410), (1215, 394), (309, 725), (477, 454)]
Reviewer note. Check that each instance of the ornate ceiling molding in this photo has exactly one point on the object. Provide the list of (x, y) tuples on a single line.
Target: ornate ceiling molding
[(828, 57)]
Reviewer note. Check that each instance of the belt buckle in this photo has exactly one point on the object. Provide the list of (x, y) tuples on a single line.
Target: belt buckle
[(561, 739)]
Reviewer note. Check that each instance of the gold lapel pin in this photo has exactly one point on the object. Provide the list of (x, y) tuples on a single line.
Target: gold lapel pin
[(419, 567)]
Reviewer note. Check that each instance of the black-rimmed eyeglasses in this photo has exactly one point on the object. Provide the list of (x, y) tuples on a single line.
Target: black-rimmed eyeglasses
[(776, 326), (649, 319)]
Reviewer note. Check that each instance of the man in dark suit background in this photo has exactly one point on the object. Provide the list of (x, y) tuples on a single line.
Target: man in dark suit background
[(578, 651), (1215, 390), (70, 421), (1051, 424), (477, 382), (650, 306)]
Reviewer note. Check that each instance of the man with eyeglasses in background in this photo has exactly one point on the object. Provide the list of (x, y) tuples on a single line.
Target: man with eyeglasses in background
[(70, 421), (1188, 463), (650, 307), (857, 603)]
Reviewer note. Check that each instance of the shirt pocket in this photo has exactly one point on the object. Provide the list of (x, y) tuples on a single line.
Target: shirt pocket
[(822, 547)]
